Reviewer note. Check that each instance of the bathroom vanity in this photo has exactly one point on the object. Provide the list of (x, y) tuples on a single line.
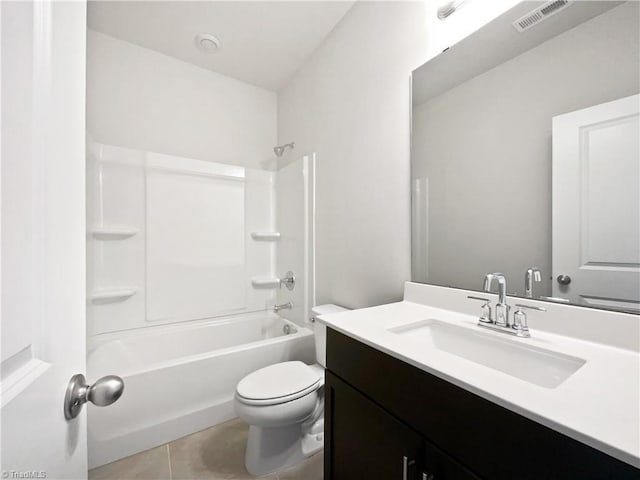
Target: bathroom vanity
[(515, 168), (401, 403)]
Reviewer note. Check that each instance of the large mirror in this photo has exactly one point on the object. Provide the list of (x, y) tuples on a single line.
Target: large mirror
[(526, 158)]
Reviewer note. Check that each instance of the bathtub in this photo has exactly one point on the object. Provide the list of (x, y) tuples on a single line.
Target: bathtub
[(180, 379)]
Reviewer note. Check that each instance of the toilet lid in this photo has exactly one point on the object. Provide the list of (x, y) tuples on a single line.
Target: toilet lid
[(277, 381)]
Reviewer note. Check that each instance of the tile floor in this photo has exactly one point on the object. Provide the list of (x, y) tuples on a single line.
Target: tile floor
[(213, 454)]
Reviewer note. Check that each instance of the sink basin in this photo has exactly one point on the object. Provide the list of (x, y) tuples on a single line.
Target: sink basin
[(533, 364)]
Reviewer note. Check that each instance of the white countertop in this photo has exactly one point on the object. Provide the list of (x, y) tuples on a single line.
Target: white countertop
[(598, 405)]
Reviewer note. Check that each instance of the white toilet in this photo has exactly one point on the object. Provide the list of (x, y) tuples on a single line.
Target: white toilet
[(284, 406)]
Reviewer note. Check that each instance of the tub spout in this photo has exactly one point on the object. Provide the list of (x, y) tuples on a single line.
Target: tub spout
[(284, 306)]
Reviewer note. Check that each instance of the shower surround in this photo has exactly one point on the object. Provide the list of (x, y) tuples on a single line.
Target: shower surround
[(183, 263)]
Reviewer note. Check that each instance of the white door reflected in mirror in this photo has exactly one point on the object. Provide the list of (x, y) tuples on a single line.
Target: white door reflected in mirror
[(596, 205)]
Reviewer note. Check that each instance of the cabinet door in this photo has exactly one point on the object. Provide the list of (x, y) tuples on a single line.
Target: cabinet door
[(363, 440), (439, 466)]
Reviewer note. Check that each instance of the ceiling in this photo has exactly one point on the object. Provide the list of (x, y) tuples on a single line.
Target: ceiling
[(262, 43), (494, 44)]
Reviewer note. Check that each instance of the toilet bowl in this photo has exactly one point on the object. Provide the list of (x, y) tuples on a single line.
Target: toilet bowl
[(284, 407)]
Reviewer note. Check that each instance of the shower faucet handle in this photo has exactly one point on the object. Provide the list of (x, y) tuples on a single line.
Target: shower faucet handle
[(289, 280)]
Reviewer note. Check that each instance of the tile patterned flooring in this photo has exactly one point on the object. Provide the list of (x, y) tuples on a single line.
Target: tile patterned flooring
[(213, 454)]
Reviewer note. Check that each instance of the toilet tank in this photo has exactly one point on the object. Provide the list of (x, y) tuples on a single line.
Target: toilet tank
[(320, 330)]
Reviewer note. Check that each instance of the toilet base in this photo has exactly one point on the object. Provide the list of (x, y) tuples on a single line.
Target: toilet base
[(273, 448), (312, 443)]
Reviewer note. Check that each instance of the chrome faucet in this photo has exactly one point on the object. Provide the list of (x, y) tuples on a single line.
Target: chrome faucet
[(501, 321), (284, 306), (501, 317), (532, 275)]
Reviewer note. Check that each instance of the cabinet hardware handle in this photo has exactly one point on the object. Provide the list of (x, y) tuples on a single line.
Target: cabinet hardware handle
[(426, 476), (406, 463)]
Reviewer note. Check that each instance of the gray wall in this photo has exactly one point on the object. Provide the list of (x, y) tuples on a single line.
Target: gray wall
[(485, 147)]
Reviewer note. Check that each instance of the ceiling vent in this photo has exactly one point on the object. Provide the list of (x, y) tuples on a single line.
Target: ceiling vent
[(540, 14)]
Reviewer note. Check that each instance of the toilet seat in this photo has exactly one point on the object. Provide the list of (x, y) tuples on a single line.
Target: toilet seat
[(279, 383)]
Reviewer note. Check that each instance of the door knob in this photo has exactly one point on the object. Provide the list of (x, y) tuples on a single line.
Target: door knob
[(103, 392), (564, 279)]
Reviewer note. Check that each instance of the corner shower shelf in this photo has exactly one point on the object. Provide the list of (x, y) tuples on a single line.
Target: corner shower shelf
[(113, 233), (266, 236), (112, 295), (265, 282)]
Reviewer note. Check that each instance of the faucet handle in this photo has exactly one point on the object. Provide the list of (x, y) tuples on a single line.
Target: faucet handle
[(520, 319), (288, 281), (479, 298), (485, 316), (531, 307)]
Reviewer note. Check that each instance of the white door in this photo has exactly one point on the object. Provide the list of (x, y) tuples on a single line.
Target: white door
[(43, 237), (596, 205)]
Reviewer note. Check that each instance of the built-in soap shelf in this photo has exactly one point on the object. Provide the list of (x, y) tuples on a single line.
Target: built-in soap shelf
[(113, 232), (265, 282), (266, 236), (111, 295)]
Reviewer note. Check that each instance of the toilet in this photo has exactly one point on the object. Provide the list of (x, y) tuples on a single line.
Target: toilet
[(284, 407)]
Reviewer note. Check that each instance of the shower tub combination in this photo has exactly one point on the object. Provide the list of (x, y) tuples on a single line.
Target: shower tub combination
[(180, 379), (178, 305)]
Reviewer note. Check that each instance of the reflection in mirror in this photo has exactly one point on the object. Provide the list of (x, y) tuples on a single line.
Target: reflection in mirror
[(526, 159)]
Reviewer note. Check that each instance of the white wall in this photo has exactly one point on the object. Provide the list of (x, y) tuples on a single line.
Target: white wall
[(350, 103), (141, 99), (147, 102)]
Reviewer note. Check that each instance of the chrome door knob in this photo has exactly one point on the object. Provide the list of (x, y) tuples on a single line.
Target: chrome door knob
[(564, 279), (103, 392)]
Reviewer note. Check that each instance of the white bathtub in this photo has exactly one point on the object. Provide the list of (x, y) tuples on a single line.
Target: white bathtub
[(180, 379)]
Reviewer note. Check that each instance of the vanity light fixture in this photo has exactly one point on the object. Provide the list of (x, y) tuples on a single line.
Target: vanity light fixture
[(207, 43), (448, 8)]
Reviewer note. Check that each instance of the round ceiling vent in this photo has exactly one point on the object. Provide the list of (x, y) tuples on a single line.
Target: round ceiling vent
[(207, 43)]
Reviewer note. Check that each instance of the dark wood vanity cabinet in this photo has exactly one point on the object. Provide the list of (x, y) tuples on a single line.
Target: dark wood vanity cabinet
[(369, 443), (384, 417)]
